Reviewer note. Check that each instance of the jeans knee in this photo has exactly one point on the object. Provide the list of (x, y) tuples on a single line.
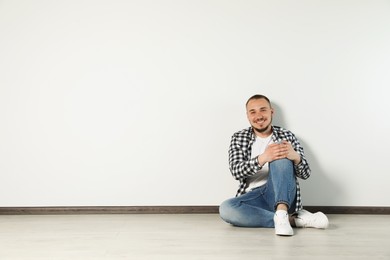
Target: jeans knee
[(281, 165), (225, 210), (283, 162), (229, 212)]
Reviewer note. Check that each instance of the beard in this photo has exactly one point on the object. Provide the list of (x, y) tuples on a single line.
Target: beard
[(263, 129)]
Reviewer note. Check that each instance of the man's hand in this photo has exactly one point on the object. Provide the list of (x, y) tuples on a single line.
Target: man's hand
[(279, 151)]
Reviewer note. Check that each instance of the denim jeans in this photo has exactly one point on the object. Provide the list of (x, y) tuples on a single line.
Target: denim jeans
[(257, 207)]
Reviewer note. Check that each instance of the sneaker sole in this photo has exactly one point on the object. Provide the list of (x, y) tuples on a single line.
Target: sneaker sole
[(289, 234)]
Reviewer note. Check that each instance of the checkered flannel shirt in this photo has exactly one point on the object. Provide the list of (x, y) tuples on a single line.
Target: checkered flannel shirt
[(242, 166)]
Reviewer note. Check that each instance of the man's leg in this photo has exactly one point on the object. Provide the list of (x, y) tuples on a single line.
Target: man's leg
[(281, 186), (248, 210), (280, 193), (257, 208)]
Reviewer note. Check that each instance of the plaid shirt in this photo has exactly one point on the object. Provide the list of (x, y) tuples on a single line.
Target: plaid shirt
[(242, 166)]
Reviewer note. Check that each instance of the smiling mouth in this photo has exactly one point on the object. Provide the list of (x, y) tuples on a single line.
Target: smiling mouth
[(260, 121)]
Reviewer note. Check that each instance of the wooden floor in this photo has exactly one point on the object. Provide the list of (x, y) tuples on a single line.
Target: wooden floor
[(187, 236)]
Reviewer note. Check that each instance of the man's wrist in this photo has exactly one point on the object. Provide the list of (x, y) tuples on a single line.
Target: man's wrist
[(259, 162), (297, 160)]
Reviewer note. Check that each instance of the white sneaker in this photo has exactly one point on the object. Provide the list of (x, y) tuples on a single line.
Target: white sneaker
[(282, 224), (304, 218)]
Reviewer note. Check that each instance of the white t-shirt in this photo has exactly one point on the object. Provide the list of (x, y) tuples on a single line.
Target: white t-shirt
[(260, 178)]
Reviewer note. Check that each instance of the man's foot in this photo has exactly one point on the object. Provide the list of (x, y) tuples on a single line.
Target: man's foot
[(304, 218), (282, 224)]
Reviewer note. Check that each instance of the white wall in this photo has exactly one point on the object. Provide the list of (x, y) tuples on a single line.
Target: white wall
[(134, 102)]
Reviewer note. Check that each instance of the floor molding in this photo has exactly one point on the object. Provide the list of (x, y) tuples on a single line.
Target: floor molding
[(349, 210), (170, 210), (109, 210)]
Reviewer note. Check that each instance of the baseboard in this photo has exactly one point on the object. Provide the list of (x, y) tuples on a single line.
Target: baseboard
[(349, 210), (109, 210), (170, 210)]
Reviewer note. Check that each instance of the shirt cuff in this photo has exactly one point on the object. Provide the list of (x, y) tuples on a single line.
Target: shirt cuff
[(255, 164)]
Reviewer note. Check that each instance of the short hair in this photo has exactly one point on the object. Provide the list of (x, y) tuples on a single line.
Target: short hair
[(258, 96)]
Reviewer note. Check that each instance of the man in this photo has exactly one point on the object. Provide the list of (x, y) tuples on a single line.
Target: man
[(267, 160)]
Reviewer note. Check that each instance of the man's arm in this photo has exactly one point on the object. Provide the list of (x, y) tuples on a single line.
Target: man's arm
[(302, 169), (240, 163)]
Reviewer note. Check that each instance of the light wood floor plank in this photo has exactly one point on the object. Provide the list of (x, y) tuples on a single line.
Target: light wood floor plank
[(186, 236)]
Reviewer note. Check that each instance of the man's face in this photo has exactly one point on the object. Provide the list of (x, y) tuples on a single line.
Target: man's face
[(259, 114)]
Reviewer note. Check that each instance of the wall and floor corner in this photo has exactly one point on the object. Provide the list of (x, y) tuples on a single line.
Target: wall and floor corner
[(132, 103)]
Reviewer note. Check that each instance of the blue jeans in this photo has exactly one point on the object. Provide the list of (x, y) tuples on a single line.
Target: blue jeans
[(257, 207)]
